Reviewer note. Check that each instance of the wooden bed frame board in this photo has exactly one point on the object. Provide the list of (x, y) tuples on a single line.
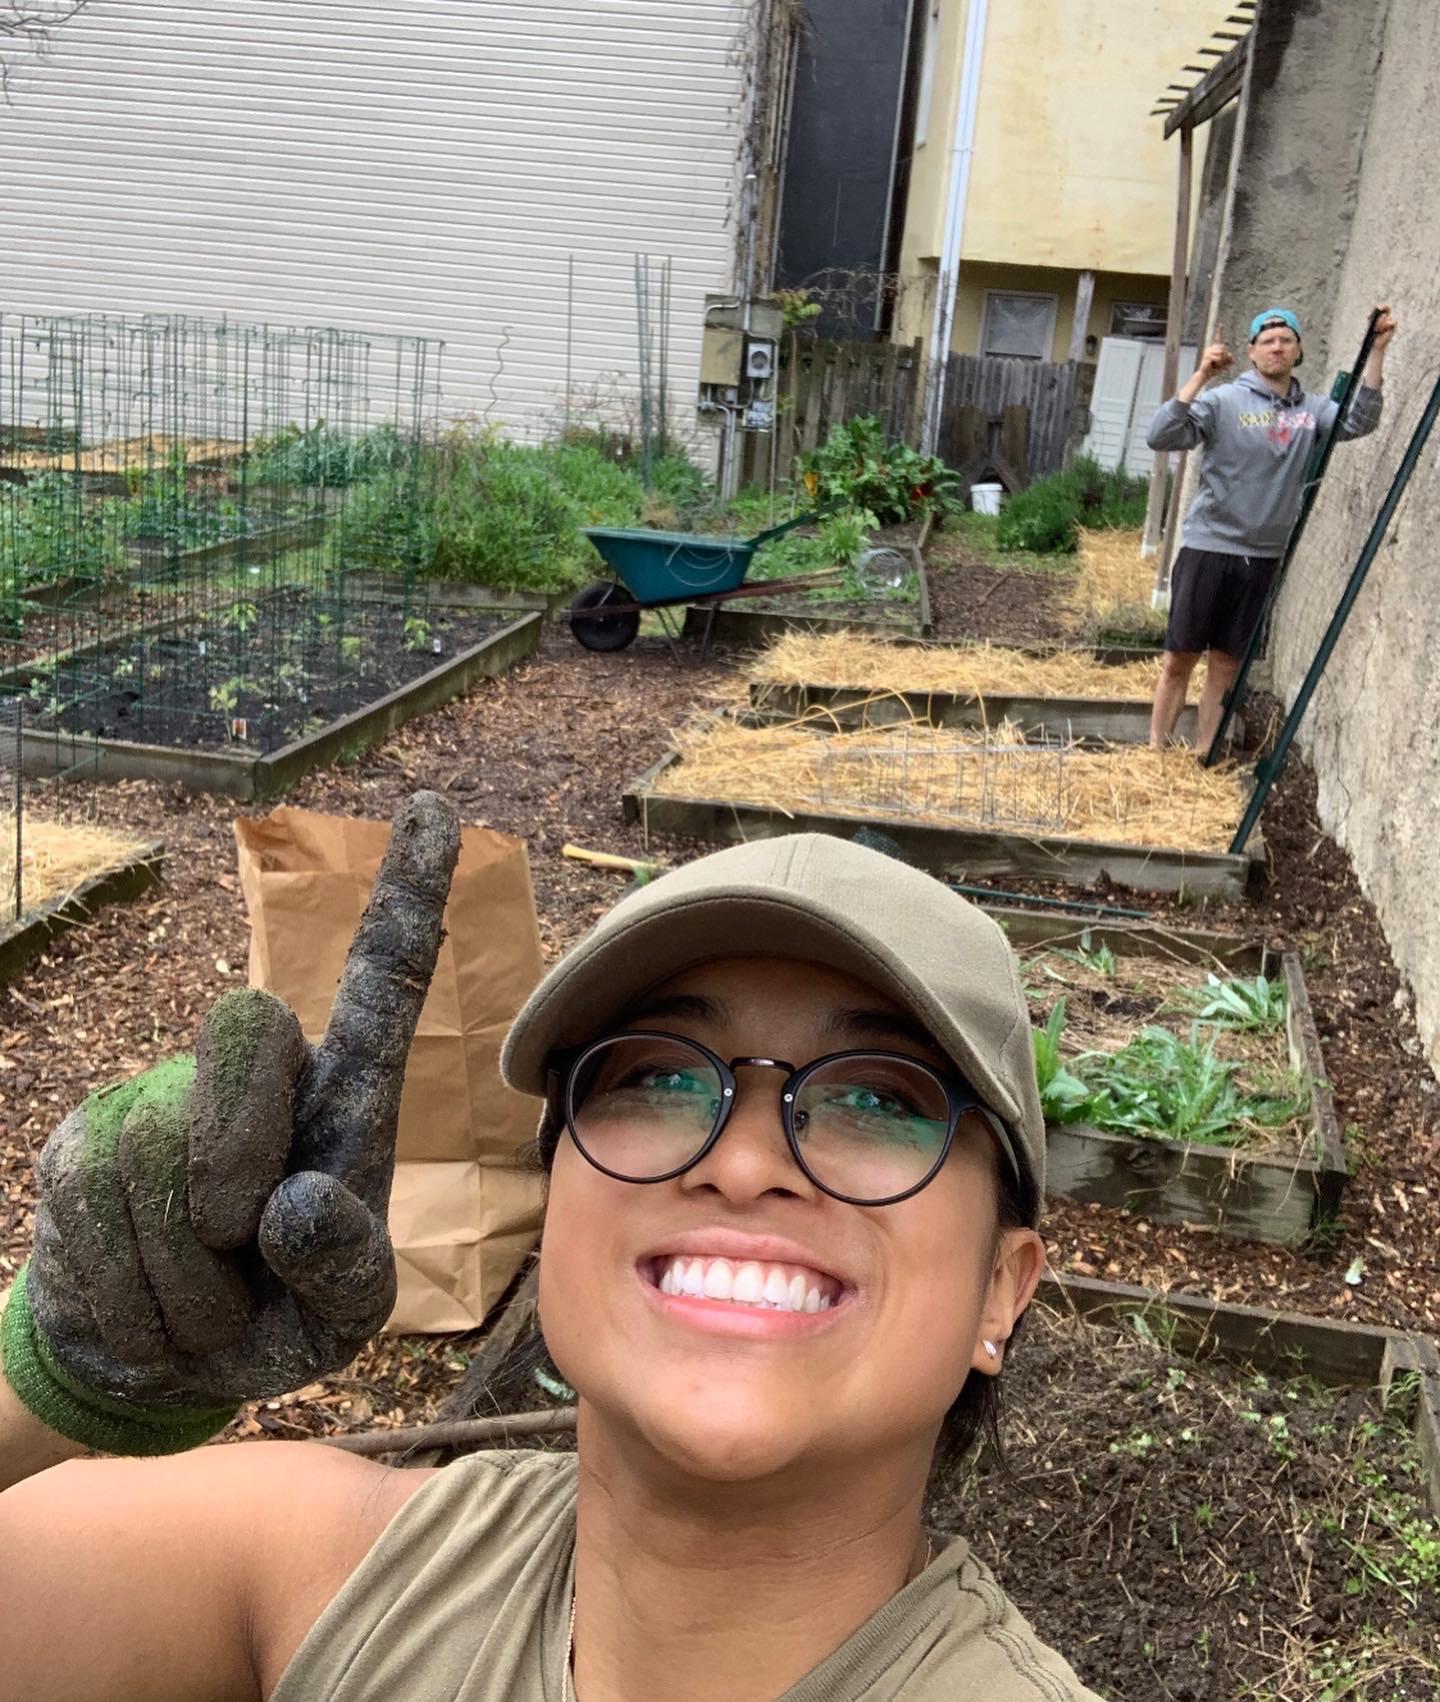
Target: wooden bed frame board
[(980, 853)]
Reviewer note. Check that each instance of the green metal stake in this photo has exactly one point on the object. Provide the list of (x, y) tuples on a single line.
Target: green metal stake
[(1342, 390), (1268, 771)]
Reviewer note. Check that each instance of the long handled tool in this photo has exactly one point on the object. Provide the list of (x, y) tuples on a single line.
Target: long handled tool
[(1345, 389), (1268, 771)]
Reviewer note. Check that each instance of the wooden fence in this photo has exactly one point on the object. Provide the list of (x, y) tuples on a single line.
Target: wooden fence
[(824, 384), (980, 389)]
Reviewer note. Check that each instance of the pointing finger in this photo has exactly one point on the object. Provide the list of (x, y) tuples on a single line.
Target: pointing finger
[(348, 1102)]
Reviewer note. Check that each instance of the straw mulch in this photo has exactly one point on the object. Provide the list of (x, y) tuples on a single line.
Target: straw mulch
[(54, 859), (1124, 793), (969, 670), (123, 455), (1111, 589)]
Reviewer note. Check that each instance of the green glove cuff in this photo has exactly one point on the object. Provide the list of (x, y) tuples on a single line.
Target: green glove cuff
[(104, 1423)]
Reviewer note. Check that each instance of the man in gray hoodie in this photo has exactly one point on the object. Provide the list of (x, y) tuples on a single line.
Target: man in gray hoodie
[(1256, 436)]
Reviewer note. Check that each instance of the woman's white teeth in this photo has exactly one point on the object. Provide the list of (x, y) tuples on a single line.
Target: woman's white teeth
[(749, 1284)]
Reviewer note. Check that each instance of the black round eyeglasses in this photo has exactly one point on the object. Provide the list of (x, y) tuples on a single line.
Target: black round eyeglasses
[(867, 1128)]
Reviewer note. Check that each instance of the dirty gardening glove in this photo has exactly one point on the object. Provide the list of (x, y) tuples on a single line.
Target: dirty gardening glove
[(214, 1231)]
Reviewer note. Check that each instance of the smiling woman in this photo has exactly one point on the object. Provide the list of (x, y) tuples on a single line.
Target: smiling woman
[(795, 1154)]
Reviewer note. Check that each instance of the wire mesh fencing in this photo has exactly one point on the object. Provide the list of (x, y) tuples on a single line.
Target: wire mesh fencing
[(12, 801), (930, 776), (210, 532)]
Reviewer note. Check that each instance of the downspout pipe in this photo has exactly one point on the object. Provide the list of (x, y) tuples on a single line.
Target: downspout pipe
[(962, 150)]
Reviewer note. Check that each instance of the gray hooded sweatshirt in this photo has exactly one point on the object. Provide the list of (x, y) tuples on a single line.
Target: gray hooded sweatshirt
[(1255, 452)]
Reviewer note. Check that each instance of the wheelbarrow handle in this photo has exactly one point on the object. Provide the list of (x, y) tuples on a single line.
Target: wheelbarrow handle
[(790, 525)]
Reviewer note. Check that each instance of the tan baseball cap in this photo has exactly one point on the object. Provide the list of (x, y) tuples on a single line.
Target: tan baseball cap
[(820, 900)]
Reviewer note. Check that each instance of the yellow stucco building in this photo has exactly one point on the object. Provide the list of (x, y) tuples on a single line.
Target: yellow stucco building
[(1047, 101)]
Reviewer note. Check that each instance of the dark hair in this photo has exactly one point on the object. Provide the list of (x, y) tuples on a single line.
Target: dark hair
[(975, 1413), (973, 1416)]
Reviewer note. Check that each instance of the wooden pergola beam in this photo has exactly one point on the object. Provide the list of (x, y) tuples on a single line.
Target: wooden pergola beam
[(1216, 89)]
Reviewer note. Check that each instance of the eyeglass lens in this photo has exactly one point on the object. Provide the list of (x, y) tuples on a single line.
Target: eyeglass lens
[(867, 1125)]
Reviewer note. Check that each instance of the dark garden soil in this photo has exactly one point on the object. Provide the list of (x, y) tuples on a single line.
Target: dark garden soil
[(43, 629), (971, 599), (251, 676), (1191, 1532)]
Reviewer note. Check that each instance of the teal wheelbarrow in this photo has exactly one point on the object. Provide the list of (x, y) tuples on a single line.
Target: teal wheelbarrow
[(667, 570)]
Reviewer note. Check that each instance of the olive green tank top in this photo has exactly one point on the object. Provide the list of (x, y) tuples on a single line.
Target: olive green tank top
[(465, 1597)]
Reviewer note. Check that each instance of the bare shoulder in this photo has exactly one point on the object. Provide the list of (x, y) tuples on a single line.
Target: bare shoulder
[(191, 1577)]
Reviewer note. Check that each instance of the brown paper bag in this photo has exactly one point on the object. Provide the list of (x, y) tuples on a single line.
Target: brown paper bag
[(463, 1212)]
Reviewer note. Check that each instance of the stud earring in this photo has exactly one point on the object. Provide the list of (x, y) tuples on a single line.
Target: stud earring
[(992, 1350)]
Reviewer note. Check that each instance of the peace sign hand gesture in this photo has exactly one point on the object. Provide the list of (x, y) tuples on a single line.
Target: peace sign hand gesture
[(214, 1231)]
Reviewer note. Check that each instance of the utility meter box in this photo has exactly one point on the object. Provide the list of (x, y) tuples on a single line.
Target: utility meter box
[(722, 355), (759, 359)]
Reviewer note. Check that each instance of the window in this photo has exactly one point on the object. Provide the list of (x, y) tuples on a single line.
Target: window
[(1019, 325), (1137, 319), (927, 71)]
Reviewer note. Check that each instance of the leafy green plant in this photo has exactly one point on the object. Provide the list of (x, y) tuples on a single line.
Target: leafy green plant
[(1160, 1085), (1255, 1006), (241, 616), (1064, 1097), (416, 633), (859, 466), (1099, 960), (1045, 516), (50, 529), (321, 454), (225, 697), (797, 308)]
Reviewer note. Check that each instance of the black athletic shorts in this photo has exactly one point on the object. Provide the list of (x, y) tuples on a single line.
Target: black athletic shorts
[(1216, 600)]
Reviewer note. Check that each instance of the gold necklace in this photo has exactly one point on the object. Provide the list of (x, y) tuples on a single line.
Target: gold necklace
[(567, 1695)]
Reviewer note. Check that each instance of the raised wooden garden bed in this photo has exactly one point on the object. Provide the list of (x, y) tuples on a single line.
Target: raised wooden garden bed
[(249, 775), (1278, 1196), (964, 852), (457, 595), (284, 535), (118, 883), (854, 681), (1334, 1352), (1099, 720)]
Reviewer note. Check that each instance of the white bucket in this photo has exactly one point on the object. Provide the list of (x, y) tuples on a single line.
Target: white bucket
[(985, 499)]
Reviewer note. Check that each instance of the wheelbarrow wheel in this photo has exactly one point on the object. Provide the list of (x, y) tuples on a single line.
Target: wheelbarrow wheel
[(593, 627)]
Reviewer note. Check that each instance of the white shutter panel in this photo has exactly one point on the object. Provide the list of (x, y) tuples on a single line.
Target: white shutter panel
[(1139, 457), (1112, 404)]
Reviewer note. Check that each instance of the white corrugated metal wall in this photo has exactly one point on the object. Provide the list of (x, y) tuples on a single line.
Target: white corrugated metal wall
[(426, 167)]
